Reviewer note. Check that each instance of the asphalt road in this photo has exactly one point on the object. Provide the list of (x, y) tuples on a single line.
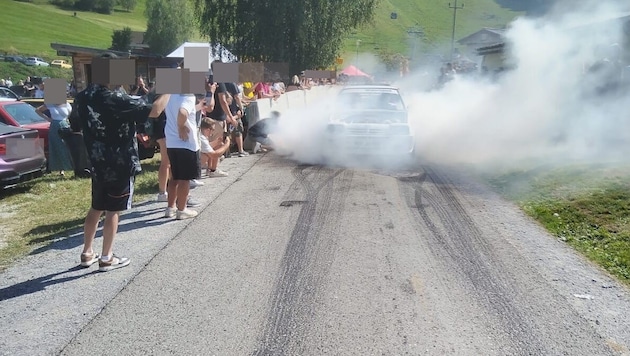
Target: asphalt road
[(289, 259)]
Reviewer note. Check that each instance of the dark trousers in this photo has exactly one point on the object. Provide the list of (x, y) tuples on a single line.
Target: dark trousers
[(79, 155)]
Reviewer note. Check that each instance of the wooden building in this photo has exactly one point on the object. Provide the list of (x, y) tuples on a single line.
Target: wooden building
[(145, 62), (485, 37)]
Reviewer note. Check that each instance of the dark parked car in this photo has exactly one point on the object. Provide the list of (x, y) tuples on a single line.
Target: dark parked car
[(8, 93), (21, 155), (18, 59), (20, 114)]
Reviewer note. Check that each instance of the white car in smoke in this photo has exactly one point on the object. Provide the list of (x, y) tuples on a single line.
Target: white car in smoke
[(371, 120)]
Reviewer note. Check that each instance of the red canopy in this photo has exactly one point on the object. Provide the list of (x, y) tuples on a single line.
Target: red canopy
[(353, 71)]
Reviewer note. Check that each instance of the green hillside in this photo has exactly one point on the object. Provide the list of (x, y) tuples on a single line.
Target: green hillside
[(30, 27), (433, 17)]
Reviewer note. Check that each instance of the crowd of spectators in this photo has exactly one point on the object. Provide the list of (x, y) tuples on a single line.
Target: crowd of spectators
[(32, 87)]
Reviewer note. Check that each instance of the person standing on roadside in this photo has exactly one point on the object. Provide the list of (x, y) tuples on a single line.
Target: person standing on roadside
[(108, 120), (58, 154), (182, 142), (221, 113)]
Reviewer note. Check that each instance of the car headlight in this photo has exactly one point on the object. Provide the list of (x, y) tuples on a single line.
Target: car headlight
[(335, 129), (399, 129)]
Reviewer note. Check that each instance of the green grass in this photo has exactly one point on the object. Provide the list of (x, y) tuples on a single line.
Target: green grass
[(588, 207), (47, 24), (35, 213), (30, 28), (434, 18)]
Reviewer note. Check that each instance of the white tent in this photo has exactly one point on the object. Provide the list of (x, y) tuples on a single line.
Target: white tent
[(217, 52)]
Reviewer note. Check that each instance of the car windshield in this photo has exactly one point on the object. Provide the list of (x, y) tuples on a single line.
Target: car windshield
[(24, 114), (370, 100)]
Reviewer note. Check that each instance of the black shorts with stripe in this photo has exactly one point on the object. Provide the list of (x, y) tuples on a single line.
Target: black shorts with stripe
[(112, 196)]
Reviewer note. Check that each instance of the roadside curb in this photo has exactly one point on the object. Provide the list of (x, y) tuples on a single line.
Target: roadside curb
[(46, 298)]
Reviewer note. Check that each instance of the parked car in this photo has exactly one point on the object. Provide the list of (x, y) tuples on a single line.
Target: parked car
[(147, 146), (7, 93), (36, 61), (21, 114), (369, 119), (18, 59), (21, 155), (61, 64)]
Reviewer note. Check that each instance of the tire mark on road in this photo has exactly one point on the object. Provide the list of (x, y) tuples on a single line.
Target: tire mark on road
[(470, 253), (306, 259)]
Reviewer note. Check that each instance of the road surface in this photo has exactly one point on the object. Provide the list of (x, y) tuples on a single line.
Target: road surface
[(291, 259)]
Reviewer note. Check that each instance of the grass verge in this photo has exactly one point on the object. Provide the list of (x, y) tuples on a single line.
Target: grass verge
[(35, 213), (586, 206)]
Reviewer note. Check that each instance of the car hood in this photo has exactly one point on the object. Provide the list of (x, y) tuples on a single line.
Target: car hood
[(38, 126), (383, 117), (8, 129)]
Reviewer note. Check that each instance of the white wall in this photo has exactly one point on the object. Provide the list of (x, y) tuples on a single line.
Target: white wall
[(296, 99)]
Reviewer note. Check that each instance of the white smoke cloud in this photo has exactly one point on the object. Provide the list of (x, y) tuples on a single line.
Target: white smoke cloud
[(542, 109), (545, 108)]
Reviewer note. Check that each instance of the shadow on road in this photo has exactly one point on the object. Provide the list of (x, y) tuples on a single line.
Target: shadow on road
[(39, 284)]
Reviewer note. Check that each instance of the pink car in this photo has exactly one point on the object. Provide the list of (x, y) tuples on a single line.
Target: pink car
[(21, 114), (21, 155)]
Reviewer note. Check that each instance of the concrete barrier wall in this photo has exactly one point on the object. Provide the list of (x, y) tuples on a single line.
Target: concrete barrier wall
[(296, 99)]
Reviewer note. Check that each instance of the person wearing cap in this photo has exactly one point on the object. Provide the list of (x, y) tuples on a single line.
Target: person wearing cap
[(108, 120)]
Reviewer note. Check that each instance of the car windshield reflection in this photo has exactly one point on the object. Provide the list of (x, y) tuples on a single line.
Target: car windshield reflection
[(352, 101), (24, 114)]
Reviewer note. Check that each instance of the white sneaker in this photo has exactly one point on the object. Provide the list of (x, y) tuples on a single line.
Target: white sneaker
[(243, 154), (256, 148), (186, 214), (169, 212), (217, 174), (162, 197), (194, 183)]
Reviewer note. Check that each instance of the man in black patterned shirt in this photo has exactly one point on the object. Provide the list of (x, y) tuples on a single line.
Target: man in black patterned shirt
[(108, 120)]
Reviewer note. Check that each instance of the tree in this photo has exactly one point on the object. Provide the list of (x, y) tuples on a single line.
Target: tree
[(103, 6), (128, 5), (306, 33), (121, 39), (169, 23)]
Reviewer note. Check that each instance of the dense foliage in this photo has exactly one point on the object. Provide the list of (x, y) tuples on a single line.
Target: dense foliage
[(169, 24), (121, 39), (100, 6), (307, 34)]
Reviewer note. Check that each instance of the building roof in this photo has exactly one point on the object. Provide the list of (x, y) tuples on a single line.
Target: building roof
[(494, 48), (216, 52), (494, 33), (67, 50)]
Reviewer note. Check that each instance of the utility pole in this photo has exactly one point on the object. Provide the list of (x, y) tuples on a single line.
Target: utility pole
[(455, 8), (416, 33), (357, 60)]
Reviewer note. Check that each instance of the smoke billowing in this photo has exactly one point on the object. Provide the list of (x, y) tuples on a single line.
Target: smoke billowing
[(562, 96), (552, 106)]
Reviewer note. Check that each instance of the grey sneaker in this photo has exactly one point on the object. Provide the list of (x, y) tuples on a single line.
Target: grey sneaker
[(169, 212), (243, 154), (162, 197), (196, 183), (186, 214), (191, 203), (113, 263), (217, 174), (89, 259)]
